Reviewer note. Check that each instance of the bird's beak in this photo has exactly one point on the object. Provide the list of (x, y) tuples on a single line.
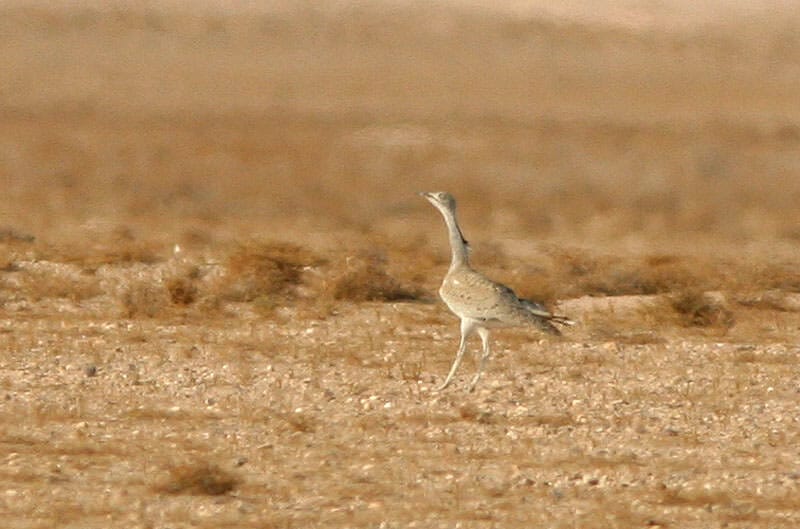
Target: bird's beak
[(424, 194)]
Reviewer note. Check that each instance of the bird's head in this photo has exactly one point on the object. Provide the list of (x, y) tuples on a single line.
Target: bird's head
[(446, 204), (441, 199)]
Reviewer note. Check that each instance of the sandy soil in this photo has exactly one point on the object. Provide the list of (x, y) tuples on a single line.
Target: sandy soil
[(218, 287)]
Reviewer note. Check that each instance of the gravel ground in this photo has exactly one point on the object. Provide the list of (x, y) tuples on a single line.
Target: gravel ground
[(218, 287)]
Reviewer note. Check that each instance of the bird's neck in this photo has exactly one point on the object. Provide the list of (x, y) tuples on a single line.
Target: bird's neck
[(458, 245)]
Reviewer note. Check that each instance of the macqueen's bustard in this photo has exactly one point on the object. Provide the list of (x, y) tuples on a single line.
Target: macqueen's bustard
[(480, 302)]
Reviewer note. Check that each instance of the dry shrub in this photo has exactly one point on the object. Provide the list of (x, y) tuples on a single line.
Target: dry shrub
[(574, 262), (700, 309), (775, 276), (11, 235), (538, 284), (366, 279), (584, 274), (143, 298), (135, 252), (298, 421), (411, 370), (770, 300), (749, 356), (470, 412), (182, 287), (118, 248), (8, 263), (554, 421), (40, 284), (265, 305), (182, 290), (430, 418), (696, 497), (265, 269), (653, 275), (198, 479)]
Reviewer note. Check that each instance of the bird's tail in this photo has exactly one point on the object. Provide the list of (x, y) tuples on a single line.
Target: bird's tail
[(561, 320), (545, 318)]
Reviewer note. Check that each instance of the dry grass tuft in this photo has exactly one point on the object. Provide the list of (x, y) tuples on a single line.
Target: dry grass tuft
[(12, 235), (183, 288), (142, 298), (575, 272), (200, 478), (411, 370), (776, 276), (120, 247), (470, 412), (750, 356), (652, 275), (696, 497), (265, 269), (298, 421), (182, 291), (8, 262), (699, 309), (132, 253), (366, 279), (771, 300), (42, 285), (578, 272)]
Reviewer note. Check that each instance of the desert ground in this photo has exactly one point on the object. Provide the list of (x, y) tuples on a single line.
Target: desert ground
[(218, 287)]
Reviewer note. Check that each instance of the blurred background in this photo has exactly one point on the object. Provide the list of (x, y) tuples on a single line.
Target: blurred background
[(622, 124)]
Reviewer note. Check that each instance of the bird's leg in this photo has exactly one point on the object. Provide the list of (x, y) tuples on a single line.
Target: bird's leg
[(484, 334), (467, 327)]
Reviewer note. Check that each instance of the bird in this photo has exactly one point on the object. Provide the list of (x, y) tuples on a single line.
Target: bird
[(479, 302)]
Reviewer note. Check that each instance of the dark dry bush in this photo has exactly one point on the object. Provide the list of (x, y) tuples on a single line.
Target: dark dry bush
[(554, 421), (182, 290), (144, 299), (198, 479), (265, 269), (470, 412), (619, 283), (12, 235), (652, 275), (114, 251), (39, 285), (776, 276), (298, 422), (699, 309), (366, 279)]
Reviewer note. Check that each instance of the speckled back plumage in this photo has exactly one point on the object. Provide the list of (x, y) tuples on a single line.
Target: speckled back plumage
[(469, 294)]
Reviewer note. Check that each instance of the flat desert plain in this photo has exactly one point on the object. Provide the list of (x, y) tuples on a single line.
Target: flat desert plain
[(218, 287)]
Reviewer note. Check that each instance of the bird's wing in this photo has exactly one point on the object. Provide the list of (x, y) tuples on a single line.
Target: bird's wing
[(473, 295)]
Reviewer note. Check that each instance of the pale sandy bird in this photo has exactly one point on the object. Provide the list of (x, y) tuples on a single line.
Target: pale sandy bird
[(480, 302)]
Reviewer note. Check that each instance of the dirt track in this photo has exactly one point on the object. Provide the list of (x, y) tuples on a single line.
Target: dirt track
[(217, 286)]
